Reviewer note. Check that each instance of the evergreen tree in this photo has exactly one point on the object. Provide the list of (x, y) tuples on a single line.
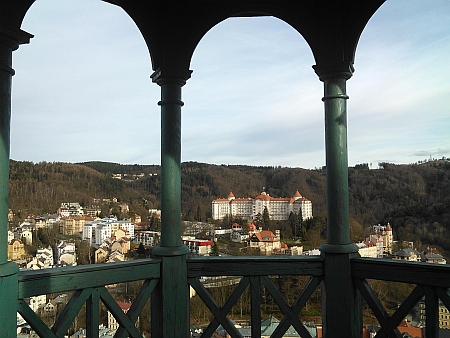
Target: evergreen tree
[(294, 222), (258, 221), (265, 217), (214, 250)]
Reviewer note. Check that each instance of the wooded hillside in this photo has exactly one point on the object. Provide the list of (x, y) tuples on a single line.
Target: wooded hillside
[(415, 199)]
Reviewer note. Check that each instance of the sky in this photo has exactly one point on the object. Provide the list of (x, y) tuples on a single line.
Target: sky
[(82, 90)]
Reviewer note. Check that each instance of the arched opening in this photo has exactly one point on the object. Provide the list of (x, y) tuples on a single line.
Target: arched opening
[(398, 107), (82, 90), (253, 97)]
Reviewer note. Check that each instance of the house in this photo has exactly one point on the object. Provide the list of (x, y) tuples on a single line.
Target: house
[(112, 250), (42, 260), (49, 310), (367, 249), (16, 249), (112, 322), (101, 254), (239, 236), (378, 241), (385, 231), (66, 253), (92, 210), (10, 215), (431, 255), (265, 240), (407, 254), (115, 256), (52, 220), (201, 247), (40, 223), (69, 209), (25, 234), (36, 302), (10, 236), (408, 330)]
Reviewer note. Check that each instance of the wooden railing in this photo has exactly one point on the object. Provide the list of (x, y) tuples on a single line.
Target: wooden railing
[(256, 272), (88, 283), (432, 283)]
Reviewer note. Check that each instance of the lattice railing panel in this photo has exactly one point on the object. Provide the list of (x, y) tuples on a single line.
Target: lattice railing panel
[(432, 284), (252, 280), (88, 284)]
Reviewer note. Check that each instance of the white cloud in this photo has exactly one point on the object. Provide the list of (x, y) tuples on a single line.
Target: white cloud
[(82, 90)]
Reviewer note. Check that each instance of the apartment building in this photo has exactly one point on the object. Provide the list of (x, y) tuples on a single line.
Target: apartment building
[(96, 232), (74, 225)]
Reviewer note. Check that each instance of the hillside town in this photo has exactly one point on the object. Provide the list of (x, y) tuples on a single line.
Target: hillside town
[(114, 239)]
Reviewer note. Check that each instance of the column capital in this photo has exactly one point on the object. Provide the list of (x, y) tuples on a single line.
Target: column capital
[(170, 76), (334, 70), (14, 37)]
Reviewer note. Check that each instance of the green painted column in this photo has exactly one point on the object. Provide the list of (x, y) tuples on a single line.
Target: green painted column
[(9, 41), (6, 73), (341, 301), (335, 100), (170, 300), (170, 162)]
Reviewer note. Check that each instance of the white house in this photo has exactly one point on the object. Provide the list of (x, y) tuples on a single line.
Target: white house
[(367, 249), (201, 247), (36, 302), (66, 253)]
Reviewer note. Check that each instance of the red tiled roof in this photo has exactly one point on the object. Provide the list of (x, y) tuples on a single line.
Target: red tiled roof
[(265, 236), (411, 330), (124, 306)]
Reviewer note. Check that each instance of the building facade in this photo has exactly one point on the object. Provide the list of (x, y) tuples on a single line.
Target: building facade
[(96, 232), (16, 250), (74, 225), (279, 208), (198, 247)]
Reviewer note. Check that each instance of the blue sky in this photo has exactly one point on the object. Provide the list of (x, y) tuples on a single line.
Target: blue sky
[(82, 90)]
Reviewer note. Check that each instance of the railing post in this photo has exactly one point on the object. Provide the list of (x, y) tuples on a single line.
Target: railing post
[(9, 41), (170, 301), (341, 300)]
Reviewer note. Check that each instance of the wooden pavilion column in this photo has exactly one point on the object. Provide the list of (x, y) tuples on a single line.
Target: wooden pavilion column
[(170, 301), (9, 41), (341, 301)]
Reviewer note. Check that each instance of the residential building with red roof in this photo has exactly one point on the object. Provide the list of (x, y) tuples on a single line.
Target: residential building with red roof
[(266, 241)]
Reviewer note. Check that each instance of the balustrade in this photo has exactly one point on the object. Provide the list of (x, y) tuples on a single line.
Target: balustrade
[(432, 283)]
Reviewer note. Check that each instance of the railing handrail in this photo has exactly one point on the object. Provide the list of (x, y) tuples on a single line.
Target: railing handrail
[(45, 281), (420, 273), (255, 266)]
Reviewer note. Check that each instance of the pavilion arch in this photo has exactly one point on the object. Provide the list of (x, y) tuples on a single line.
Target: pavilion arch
[(278, 102), (92, 81)]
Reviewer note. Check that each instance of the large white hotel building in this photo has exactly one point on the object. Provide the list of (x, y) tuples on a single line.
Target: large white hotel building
[(247, 208)]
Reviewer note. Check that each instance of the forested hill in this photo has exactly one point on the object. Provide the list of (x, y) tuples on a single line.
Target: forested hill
[(415, 199)]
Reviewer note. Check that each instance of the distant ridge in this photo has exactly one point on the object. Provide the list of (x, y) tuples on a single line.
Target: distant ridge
[(414, 198)]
